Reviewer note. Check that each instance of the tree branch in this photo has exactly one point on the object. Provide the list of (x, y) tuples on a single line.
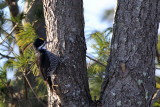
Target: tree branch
[(9, 34), (31, 4), (96, 61), (7, 56), (32, 89), (155, 97)]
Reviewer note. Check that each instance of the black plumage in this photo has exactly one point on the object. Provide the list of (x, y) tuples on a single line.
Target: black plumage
[(47, 61)]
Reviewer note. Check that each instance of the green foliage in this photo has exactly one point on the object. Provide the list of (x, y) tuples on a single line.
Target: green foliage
[(3, 76), (156, 104), (3, 87), (26, 36), (102, 44), (25, 62), (26, 58), (2, 5), (29, 0), (95, 74), (18, 19), (96, 71), (158, 82), (16, 91), (158, 44)]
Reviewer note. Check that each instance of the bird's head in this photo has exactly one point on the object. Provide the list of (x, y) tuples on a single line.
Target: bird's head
[(39, 43)]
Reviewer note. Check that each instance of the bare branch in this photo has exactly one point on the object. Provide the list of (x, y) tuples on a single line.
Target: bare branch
[(96, 61), (32, 89), (15, 26), (156, 96), (31, 4), (9, 34), (7, 56)]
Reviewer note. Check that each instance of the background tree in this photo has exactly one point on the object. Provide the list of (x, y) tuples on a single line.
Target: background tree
[(131, 78)]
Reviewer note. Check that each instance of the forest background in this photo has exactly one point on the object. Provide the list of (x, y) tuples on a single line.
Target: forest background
[(16, 86)]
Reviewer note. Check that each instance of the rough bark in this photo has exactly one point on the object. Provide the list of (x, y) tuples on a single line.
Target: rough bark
[(159, 11), (130, 76), (65, 30)]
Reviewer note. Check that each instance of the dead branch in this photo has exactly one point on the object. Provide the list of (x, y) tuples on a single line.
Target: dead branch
[(32, 89), (96, 61)]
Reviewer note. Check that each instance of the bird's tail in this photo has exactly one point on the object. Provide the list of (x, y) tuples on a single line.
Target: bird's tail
[(49, 81)]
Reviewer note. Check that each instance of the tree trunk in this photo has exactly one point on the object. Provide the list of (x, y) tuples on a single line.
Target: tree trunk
[(130, 77), (159, 11), (34, 15), (65, 30), (13, 7)]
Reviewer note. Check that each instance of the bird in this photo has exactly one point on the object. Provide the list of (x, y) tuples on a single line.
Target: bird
[(47, 61)]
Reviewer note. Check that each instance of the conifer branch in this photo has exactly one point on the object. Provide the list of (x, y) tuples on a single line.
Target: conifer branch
[(96, 61)]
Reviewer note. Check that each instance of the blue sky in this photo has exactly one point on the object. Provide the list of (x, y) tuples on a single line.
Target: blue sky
[(93, 13)]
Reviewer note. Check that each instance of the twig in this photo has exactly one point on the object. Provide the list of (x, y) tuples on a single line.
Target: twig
[(155, 97), (158, 68), (15, 26), (31, 4), (7, 56), (12, 30), (96, 61), (30, 86), (32, 89), (9, 34)]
